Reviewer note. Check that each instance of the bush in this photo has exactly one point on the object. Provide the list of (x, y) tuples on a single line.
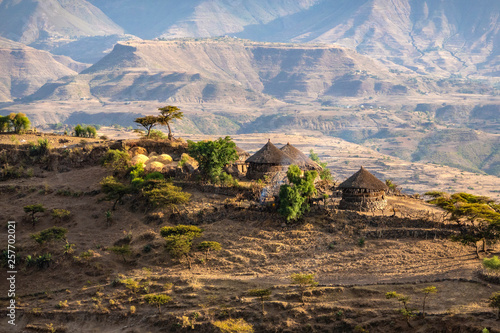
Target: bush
[(304, 281), (123, 250), (184, 230), (492, 263), (116, 159), (157, 299), (294, 199), (208, 246), (157, 135), (163, 194), (41, 262), (234, 326), (85, 132), (47, 235), (40, 149), (61, 214)]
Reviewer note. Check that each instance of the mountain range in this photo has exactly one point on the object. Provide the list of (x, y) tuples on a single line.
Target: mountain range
[(364, 70)]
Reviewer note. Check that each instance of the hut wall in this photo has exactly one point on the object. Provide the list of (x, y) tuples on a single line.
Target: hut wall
[(362, 200), (258, 171)]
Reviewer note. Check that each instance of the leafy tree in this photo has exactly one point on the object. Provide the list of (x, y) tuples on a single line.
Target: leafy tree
[(148, 122), (262, 293), (33, 210), (90, 132), (157, 299), (79, 131), (427, 291), (114, 190), (294, 198), (305, 281), (212, 156), (405, 310), (20, 122), (325, 173), (495, 302), (123, 250), (208, 246), (5, 124), (50, 234), (168, 114), (478, 217)]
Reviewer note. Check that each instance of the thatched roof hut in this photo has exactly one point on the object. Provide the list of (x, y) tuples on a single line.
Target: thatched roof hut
[(300, 158), (269, 159), (363, 191), (242, 154)]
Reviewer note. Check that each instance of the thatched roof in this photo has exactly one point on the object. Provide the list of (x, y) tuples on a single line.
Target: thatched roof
[(242, 153), (270, 154), (363, 180), (299, 157)]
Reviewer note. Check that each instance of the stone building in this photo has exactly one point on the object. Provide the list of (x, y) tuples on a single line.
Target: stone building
[(239, 167), (363, 192)]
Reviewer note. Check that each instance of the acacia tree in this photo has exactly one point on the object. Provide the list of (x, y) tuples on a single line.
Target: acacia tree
[(148, 122), (179, 240), (305, 281), (168, 114), (114, 190), (478, 217), (427, 291), (33, 210), (407, 312)]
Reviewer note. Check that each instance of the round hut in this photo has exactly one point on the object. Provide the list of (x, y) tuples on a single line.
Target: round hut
[(299, 158), (363, 192), (267, 161)]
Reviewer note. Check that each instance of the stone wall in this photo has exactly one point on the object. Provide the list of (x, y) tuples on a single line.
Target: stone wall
[(363, 206)]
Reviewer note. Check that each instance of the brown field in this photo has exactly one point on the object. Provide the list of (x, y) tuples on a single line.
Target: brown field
[(402, 253)]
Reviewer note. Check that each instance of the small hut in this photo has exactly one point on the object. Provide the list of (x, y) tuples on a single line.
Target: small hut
[(363, 192), (240, 166), (299, 158), (267, 161)]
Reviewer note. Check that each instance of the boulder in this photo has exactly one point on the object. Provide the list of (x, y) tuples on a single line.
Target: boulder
[(189, 164), (154, 166), (164, 158), (139, 159)]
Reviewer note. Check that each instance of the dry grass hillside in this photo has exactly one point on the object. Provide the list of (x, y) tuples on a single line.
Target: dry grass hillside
[(356, 258)]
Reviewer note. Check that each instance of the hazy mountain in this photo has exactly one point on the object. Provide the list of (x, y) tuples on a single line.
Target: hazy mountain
[(24, 69), (228, 70), (442, 37), (37, 21), (432, 36), (195, 18)]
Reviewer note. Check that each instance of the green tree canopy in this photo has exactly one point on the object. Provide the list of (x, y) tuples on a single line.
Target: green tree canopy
[(294, 198), (167, 115), (148, 122), (212, 156), (20, 122)]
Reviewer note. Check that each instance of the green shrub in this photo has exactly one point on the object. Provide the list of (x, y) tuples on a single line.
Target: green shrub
[(40, 149), (492, 263), (157, 299), (234, 326), (163, 194), (116, 160), (47, 235), (123, 250), (157, 135), (294, 198), (185, 230), (208, 246), (61, 214)]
